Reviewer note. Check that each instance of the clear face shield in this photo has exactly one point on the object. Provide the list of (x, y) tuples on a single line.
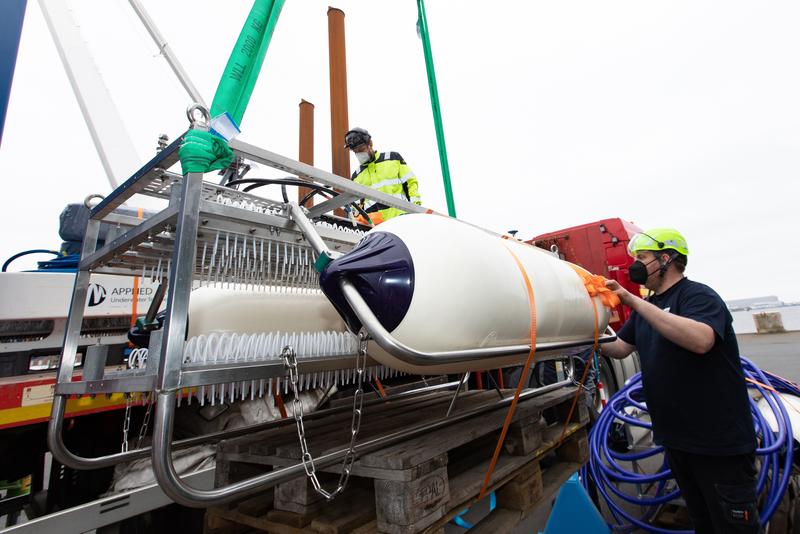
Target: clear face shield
[(643, 242), (639, 242)]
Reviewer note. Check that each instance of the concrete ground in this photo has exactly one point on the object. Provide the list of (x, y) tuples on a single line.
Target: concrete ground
[(776, 353)]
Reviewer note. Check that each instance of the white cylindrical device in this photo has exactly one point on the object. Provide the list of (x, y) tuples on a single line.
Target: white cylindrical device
[(242, 310), (438, 284)]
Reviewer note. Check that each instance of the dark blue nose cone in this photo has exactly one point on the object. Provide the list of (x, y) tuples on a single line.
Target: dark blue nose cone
[(380, 267)]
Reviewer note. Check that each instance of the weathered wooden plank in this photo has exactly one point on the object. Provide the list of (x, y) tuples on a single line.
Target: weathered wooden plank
[(524, 436), (413, 502), (551, 437), (523, 491), (379, 422), (263, 523), (298, 490), (466, 485), (411, 452), (289, 519), (354, 508), (258, 505), (416, 485), (344, 521), (575, 449), (368, 528), (499, 520), (357, 470), (580, 412), (214, 524)]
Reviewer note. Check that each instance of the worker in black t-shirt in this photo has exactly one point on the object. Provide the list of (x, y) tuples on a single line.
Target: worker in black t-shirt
[(693, 383)]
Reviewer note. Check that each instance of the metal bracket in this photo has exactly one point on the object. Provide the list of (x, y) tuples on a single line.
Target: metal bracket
[(455, 395)]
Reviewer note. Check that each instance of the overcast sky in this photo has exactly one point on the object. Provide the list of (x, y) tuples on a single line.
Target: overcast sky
[(680, 113)]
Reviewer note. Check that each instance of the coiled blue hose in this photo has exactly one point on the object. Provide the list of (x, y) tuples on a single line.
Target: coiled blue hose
[(604, 473), (61, 263), (4, 268)]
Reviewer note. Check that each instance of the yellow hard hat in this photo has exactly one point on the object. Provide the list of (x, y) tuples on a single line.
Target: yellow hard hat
[(657, 239)]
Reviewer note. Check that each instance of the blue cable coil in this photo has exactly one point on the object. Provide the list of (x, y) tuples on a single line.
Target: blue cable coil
[(60, 263), (604, 473), (18, 255)]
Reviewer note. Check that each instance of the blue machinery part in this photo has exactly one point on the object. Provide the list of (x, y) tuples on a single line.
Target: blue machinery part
[(604, 471)]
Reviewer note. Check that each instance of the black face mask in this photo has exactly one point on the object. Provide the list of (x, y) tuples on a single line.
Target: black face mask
[(638, 272)]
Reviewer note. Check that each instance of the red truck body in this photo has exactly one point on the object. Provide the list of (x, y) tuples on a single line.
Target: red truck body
[(600, 247)]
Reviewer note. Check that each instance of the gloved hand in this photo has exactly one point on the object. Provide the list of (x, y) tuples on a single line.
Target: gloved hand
[(202, 151)]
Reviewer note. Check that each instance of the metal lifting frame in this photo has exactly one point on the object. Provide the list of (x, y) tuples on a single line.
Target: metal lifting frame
[(174, 235)]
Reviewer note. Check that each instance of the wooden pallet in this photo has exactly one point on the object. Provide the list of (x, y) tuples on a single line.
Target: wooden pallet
[(415, 486)]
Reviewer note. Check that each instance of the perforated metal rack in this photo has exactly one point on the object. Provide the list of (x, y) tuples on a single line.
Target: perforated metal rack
[(175, 246)]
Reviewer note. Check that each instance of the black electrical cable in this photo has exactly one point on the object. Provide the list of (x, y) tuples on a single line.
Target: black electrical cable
[(315, 189), (309, 196), (358, 208), (275, 181)]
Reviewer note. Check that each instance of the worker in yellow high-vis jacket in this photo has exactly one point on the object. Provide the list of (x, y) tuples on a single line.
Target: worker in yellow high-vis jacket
[(386, 172)]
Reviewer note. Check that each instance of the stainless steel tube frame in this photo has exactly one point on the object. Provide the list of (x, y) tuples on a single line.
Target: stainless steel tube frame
[(403, 352), (179, 286), (310, 233), (72, 336), (181, 493), (66, 457), (172, 346)]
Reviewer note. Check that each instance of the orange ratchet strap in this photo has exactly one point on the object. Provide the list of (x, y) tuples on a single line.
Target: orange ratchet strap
[(523, 376)]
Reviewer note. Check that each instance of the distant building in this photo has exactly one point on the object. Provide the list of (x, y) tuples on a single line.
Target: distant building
[(752, 315), (770, 301)]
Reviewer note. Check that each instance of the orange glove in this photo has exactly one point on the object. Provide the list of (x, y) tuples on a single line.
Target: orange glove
[(375, 219)]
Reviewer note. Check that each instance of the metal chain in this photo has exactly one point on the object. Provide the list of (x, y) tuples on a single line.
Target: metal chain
[(146, 421), (126, 422), (290, 360)]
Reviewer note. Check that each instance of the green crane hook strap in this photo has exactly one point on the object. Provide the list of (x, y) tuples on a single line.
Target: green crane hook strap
[(422, 31), (203, 151), (241, 72)]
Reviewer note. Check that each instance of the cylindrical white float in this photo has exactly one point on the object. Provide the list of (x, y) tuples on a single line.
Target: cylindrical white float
[(245, 311), (460, 288), (435, 283)]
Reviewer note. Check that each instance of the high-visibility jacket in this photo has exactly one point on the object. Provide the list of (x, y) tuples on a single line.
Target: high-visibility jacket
[(388, 173)]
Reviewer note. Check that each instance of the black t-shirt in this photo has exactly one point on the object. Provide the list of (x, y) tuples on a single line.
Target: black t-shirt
[(698, 402)]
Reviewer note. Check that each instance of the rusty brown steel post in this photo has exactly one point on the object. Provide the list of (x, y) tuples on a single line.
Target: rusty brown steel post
[(340, 157), (306, 152)]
